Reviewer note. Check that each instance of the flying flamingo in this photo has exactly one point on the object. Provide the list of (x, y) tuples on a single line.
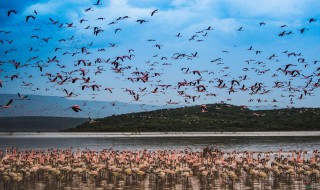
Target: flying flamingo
[(97, 3), (171, 102), (153, 12), (92, 120), (30, 16), (109, 89), (22, 97), (71, 94), (75, 108), (11, 11), (204, 108), (8, 104)]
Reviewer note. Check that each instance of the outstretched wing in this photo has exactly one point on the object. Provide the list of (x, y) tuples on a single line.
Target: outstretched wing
[(10, 101)]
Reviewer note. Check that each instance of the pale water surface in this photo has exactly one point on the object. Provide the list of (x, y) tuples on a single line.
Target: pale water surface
[(254, 141)]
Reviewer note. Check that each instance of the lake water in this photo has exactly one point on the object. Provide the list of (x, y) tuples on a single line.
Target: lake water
[(228, 142), (253, 141)]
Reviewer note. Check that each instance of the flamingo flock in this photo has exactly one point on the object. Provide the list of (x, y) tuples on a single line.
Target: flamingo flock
[(92, 67), (157, 169), (84, 55)]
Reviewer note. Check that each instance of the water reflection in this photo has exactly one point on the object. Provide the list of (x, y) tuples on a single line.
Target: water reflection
[(177, 143)]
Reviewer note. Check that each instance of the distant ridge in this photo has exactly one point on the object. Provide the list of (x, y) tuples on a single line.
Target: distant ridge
[(38, 124), (219, 117), (54, 106)]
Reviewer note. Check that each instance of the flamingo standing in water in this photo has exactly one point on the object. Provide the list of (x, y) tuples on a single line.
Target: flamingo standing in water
[(166, 165)]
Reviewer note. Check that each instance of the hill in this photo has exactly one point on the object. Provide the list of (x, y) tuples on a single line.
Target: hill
[(54, 106), (38, 124), (220, 117)]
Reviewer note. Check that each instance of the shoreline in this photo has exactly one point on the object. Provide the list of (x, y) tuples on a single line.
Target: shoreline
[(155, 134)]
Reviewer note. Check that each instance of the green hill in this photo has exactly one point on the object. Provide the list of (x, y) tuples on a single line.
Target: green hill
[(220, 117)]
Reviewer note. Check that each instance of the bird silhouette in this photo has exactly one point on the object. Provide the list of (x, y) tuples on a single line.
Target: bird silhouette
[(22, 97), (8, 105), (141, 21), (30, 16), (240, 29), (312, 20), (153, 12), (11, 11), (204, 108), (91, 121), (75, 108), (97, 3)]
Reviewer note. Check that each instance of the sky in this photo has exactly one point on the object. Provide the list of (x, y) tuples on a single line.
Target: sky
[(258, 44)]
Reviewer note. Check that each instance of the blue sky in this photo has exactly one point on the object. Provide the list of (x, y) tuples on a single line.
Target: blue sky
[(187, 17)]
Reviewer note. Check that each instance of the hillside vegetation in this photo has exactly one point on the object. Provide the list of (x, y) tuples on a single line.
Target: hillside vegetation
[(220, 117)]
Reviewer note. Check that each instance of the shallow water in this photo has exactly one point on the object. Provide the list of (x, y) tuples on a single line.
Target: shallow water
[(263, 141), (228, 142)]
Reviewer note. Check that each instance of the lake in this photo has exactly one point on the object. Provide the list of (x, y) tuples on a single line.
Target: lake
[(158, 175), (241, 141)]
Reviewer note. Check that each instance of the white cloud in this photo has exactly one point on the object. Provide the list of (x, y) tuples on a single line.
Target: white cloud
[(224, 15), (271, 8), (54, 7), (50, 7), (179, 3), (195, 4)]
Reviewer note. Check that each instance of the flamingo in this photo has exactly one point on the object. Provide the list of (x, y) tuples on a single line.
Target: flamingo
[(171, 102), (178, 35), (141, 21), (8, 104), (153, 12), (262, 23), (109, 89), (11, 11), (116, 30), (30, 16), (92, 120), (97, 3), (204, 108), (136, 97), (312, 20), (52, 21), (68, 95), (22, 97), (75, 108), (240, 29)]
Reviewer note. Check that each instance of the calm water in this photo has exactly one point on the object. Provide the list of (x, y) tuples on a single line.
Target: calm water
[(228, 142), (98, 141)]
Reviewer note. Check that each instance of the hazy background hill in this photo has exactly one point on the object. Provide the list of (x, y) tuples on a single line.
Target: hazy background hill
[(38, 124), (54, 106), (48, 113)]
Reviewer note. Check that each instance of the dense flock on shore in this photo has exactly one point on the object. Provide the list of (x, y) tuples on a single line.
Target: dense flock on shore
[(158, 169)]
